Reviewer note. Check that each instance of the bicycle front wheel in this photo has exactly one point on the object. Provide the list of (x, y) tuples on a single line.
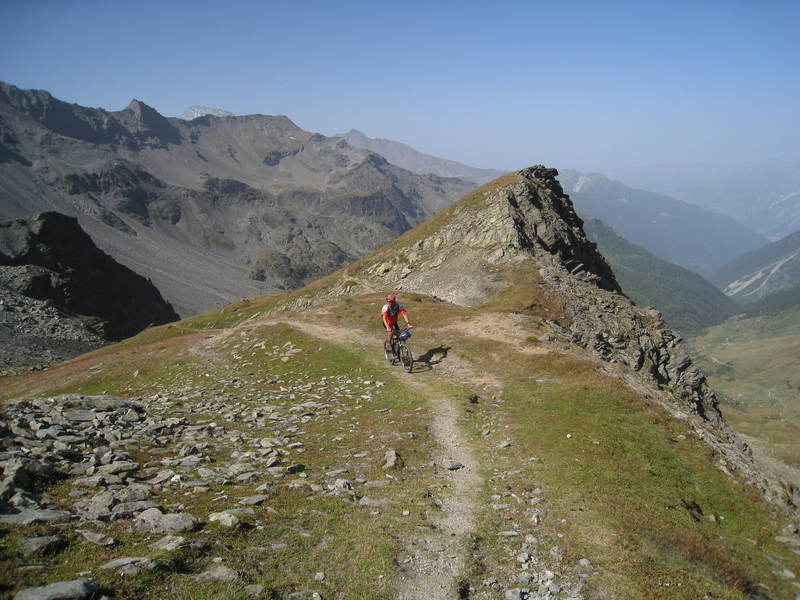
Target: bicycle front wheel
[(406, 358), (388, 352)]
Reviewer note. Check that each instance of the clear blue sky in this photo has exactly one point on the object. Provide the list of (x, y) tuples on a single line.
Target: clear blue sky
[(494, 84)]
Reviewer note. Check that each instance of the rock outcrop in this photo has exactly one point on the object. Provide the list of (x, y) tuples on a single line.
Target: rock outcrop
[(517, 244), (49, 257), (521, 234)]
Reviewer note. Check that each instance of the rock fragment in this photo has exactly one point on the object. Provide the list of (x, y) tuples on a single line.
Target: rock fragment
[(219, 573), (76, 589)]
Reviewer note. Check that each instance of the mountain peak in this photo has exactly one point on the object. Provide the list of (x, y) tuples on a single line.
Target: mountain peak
[(520, 215), (142, 111)]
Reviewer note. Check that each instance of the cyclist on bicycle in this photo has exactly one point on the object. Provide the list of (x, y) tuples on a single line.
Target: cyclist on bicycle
[(389, 315)]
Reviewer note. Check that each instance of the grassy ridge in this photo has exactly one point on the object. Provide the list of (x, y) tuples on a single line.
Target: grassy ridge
[(631, 488)]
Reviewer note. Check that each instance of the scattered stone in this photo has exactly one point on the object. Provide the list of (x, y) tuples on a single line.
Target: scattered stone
[(220, 573), (517, 594), (29, 516), (320, 576), (43, 544), (455, 466), (154, 521), (170, 543), (76, 589), (130, 566), (254, 591), (226, 519), (253, 500), (372, 502), (392, 459), (96, 538)]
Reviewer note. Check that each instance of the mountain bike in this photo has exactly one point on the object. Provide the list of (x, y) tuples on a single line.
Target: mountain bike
[(398, 348)]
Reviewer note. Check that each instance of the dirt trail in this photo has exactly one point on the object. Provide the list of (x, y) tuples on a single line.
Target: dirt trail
[(435, 559)]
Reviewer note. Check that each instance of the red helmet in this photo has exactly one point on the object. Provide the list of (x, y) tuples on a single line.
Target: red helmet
[(391, 298)]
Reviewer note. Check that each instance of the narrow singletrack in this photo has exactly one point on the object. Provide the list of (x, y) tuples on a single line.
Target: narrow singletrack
[(435, 558)]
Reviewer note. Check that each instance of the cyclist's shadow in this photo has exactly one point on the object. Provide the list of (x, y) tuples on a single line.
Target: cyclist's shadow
[(431, 357)]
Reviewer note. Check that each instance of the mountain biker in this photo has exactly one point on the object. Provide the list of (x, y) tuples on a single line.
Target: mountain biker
[(389, 315)]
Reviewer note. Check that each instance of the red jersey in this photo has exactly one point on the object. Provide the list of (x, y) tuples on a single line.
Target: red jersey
[(389, 314)]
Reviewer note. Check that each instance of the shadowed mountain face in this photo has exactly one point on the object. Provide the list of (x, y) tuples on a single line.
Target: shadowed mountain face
[(61, 296), (210, 209), (689, 302)]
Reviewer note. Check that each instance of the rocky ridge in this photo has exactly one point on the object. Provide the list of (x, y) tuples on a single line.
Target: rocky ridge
[(525, 222)]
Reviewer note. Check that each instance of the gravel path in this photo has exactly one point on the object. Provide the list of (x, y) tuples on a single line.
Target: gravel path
[(436, 557)]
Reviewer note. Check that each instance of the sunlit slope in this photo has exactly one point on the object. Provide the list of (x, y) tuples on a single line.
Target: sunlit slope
[(571, 456), (755, 364)]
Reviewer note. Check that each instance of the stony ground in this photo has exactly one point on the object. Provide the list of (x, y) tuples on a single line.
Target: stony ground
[(282, 458), (35, 334)]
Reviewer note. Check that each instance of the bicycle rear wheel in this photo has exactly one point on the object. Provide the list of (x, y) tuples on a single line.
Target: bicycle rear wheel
[(406, 358)]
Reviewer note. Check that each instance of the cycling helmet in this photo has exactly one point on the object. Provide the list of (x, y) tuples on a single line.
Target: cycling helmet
[(391, 298)]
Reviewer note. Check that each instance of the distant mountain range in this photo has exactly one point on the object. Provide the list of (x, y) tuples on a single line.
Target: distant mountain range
[(210, 209), (764, 196), (407, 157), (676, 231), (673, 230), (762, 272)]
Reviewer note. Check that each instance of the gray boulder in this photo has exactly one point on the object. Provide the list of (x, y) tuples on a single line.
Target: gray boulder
[(154, 521), (76, 589)]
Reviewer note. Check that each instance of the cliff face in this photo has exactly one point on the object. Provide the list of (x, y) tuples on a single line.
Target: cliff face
[(49, 257)]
